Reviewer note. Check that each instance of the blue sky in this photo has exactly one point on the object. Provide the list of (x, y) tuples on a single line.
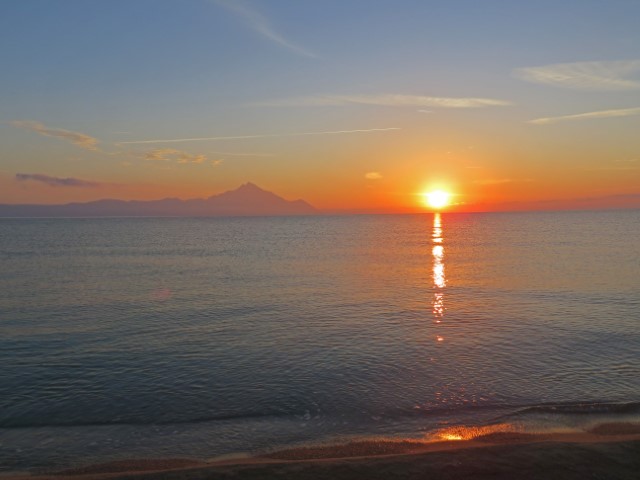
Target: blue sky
[(456, 93)]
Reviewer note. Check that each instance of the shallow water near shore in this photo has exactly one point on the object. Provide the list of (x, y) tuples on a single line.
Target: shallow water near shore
[(167, 337)]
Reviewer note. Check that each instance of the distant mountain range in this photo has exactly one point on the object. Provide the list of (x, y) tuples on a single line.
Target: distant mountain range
[(247, 200)]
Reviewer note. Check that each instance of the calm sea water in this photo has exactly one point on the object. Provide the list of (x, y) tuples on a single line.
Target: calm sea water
[(198, 337)]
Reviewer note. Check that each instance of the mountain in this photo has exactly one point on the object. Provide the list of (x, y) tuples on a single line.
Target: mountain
[(246, 200)]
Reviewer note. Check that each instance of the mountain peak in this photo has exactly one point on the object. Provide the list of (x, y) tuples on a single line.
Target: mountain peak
[(247, 199), (250, 187), (246, 190)]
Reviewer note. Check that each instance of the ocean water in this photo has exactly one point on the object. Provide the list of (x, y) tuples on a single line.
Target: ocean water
[(202, 337)]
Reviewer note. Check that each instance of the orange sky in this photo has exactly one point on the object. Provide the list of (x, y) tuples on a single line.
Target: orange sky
[(349, 115)]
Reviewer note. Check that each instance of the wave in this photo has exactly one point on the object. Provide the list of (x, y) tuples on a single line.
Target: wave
[(303, 414), (136, 422), (583, 408), (450, 414)]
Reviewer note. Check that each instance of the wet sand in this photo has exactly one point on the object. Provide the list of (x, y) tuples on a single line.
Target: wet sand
[(610, 451)]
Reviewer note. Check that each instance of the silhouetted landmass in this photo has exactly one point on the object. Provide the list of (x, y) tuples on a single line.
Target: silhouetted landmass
[(247, 200)]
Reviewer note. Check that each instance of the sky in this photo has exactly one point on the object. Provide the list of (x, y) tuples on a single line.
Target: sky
[(354, 106)]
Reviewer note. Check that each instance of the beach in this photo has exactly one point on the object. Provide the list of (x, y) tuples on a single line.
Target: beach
[(613, 453)]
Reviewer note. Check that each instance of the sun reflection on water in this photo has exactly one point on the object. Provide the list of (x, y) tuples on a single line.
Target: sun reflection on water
[(437, 250), (439, 279), (438, 306), (462, 432)]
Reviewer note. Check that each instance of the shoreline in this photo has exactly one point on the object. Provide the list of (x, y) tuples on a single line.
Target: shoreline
[(610, 450)]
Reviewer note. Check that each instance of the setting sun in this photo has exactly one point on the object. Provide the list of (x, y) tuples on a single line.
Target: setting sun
[(436, 198)]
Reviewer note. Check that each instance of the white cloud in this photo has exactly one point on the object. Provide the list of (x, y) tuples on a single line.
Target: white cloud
[(275, 135), (387, 100), (585, 75), (79, 139), (622, 112), (261, 24), (373, 176)]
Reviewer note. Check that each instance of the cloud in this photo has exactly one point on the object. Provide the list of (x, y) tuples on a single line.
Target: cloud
[(245, 154), (276, 135), (260, 24), (79, 139), (386, 100), (171, 154), (186, 158), (622, 112), (584, 75), (56, 181), (373, 176), (216, 163), (159, 154)]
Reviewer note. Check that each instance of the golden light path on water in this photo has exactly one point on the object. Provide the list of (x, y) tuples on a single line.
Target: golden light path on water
[(439, 280), (458, 432)]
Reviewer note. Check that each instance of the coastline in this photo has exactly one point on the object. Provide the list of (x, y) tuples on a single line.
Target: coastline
[(608, 451)]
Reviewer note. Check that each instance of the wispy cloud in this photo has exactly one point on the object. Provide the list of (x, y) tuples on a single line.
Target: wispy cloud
[(244, 137), (261, 24), (622, 112), (244, 154), (585, 75), (56, 181), (373, 176), (386, 100), (171, 154), (79, 139)]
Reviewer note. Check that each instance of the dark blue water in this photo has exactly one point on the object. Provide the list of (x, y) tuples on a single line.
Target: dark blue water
[(200, 337)]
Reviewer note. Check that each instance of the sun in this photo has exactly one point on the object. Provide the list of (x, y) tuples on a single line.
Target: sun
[(436, 199)]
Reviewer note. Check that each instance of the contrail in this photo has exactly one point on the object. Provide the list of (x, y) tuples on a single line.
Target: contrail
[(258, 22), (243, 137)]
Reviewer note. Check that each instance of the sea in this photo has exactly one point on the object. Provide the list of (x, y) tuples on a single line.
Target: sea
[(203, 338)]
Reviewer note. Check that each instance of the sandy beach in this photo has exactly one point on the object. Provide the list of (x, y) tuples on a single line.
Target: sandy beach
[(610, 451)]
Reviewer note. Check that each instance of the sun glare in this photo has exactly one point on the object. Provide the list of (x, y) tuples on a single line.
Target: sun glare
[(436, 199)]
